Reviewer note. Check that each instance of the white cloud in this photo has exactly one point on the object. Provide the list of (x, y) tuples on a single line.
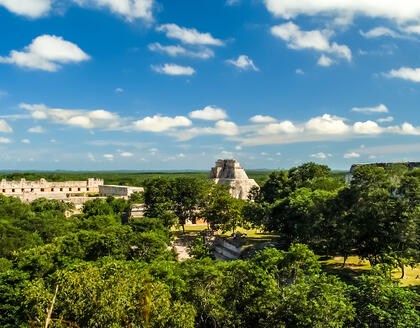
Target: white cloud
[(209, 113), (188, 35), (91, 157), (408, 128), (351, 155), (276, 128), (319, 156), (126, 154), (119, 90), (226, 128), (4, 127), (76, 117), (232, 2), (385, 119), (412, 29), (327, 124), (46, 52), (222, 127), (325, 61), (380, 31), (173, 69), (4, 140), (243, 62), (174, 51), (315, 40), (29, 8), (26, 141), (130, 9), (299, 71), (262, 119), (109, 157), (400, 11), (368, 127), (405, 73), (36, 129), (159, 123), (378, 109)]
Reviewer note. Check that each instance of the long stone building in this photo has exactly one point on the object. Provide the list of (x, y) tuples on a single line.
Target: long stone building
[(229, 172), (46, 188)]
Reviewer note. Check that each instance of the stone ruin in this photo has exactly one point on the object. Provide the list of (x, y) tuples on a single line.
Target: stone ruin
[(229, 172)]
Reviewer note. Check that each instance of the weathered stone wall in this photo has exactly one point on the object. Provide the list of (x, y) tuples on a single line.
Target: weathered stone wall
[(229, 172), (44, 188), (114, 190)]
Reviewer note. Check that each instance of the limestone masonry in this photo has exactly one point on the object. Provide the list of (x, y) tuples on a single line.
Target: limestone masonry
[(229, 172), (43, 188)]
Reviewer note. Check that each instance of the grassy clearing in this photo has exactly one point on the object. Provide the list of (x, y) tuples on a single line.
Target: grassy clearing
[(355, 266), (254, 236)]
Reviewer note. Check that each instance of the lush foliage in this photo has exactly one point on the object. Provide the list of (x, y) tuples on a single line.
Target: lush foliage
[(96, 270)]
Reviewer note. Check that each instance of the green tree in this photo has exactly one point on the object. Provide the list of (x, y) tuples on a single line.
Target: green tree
[(221, 210), (188, 195), (380, 302)]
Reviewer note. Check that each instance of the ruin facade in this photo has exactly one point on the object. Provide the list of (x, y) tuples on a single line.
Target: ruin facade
[(30, 190), (229, 172)]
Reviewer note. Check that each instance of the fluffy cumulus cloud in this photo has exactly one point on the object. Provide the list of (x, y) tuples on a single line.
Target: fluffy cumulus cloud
[(76, 117), (209, 113), (351, 155), (126, 154), (262, 119), (221, 127), (4, 127), (368, 127), (243, 62), (189, 35), (405, 73), (327, 124), (321, 128), (26, 141), (282, 127), (325, 61), (29, 8), (317, 40), (178, 50), (130, 9), (5, 140), (159, 123), (378, 109), (400, 11), (173, 69), (319, 155), (46, 52)]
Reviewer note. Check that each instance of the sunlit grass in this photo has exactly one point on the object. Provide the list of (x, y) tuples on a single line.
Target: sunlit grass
[(355, 266)]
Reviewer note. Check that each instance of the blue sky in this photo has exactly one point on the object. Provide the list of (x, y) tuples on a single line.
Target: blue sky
[(163, 84)]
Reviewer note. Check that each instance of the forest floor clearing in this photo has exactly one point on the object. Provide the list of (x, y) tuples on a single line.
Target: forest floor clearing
[(355, 266)]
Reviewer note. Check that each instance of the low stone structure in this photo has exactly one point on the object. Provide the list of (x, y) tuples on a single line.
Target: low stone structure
[(114, 190), (229, 172), (30, 190), (409, 165)]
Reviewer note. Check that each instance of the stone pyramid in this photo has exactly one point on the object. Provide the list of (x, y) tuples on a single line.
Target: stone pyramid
[(229, 172)]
